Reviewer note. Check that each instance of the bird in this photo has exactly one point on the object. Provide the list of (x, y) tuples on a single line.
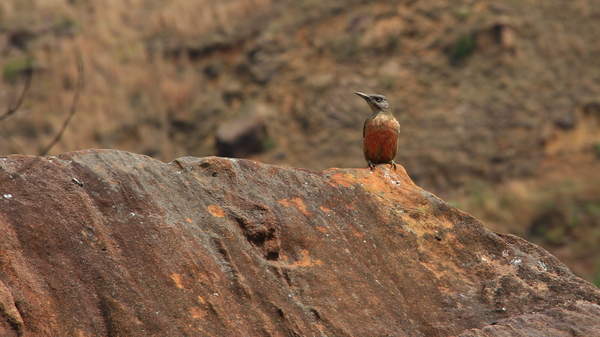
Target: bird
[(380, 132)]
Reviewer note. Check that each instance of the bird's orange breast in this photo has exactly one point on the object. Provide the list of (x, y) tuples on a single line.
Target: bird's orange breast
[(381, 139)]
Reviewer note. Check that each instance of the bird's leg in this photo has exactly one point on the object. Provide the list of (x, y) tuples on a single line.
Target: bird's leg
[(371, 165), (393, 164)]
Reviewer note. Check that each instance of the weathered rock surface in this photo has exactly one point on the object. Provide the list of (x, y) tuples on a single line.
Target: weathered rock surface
[(102, 242)]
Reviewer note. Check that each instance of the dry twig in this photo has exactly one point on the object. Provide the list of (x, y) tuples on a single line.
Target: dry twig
[(73, 110), (17, 105)]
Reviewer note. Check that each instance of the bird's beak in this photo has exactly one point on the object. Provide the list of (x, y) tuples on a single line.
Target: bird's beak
[(365, 96)]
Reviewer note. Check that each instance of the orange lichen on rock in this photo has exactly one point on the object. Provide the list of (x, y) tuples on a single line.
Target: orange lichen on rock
[(216, 211)]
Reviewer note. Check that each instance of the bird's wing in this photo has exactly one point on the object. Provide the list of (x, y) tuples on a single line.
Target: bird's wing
[(365, 127)]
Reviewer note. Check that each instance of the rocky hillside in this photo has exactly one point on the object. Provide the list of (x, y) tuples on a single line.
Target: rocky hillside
[(494, 99), (113, 243)]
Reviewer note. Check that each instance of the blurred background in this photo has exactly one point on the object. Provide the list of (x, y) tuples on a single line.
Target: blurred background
[(499, 101)]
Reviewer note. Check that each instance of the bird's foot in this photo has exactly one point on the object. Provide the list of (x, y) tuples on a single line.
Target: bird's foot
[(371, 165), (393, 164)]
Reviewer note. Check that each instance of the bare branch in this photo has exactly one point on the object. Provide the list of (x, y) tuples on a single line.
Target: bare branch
[(17, 105), (73, 110)]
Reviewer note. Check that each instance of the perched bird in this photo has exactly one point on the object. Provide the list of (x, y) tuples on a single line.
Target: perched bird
[(380, 132)]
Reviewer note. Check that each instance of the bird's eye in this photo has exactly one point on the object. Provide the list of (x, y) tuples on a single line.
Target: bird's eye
[(378, 99)]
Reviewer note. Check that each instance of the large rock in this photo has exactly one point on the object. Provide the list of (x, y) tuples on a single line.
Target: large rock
[(244, 135), (112, 243)]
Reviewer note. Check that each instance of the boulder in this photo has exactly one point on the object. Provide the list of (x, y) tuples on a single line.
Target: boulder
[(104, 242)]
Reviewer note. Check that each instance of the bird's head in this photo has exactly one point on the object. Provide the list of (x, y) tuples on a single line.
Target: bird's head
[(377, 103)]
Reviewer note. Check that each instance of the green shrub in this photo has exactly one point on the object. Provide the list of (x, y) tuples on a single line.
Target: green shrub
[(463, 47), (14, 67), (597, 149)]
